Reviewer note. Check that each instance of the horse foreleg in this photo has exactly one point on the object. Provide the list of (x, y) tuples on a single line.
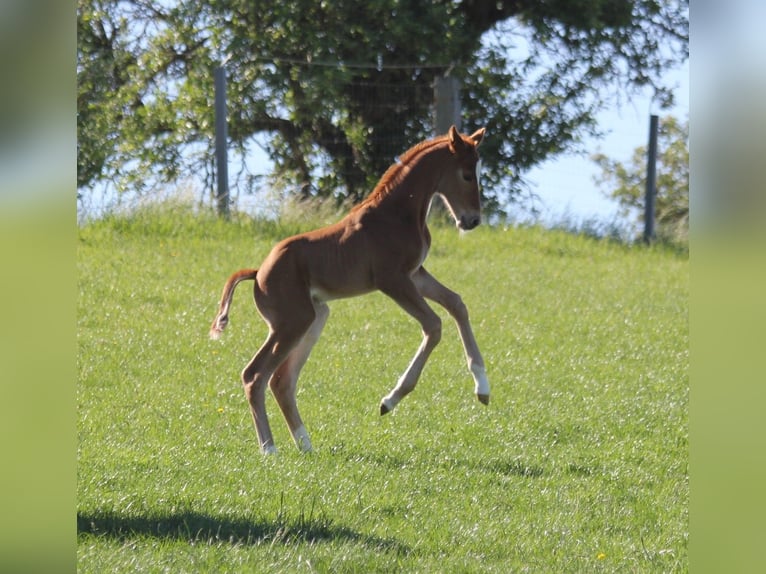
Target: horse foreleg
[(429, 287), (284, 381), (407, 296)]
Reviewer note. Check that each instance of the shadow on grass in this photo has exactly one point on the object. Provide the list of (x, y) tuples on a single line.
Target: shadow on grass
[(514, 467), (202, 528), (501, 466)]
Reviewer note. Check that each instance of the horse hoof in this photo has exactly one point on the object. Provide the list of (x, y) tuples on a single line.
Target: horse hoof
[(483, 399), (384, 409)]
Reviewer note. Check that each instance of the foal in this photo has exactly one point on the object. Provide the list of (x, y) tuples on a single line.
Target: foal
[(380, 245)]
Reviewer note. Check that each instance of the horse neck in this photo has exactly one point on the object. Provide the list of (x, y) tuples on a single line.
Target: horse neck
[(417, 181)]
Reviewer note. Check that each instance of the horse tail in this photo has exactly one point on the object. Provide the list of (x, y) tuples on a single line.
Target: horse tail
[(222, 318)]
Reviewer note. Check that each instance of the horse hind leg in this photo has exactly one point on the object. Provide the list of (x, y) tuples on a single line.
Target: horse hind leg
[(283, 382), (254, 377), (259, 371)]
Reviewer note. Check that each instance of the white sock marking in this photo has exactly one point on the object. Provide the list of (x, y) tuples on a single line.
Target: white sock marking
[(390, 402), (480, 377), (302, 440)]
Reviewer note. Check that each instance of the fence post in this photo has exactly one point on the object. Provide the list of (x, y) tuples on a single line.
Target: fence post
[(651, 181), (446, 104), (446, 114), (221, 137)]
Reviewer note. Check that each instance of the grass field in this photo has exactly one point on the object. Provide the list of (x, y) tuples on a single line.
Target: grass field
[(579, 464)]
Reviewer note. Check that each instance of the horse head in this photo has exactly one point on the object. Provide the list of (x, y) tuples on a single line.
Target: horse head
[(459, 184)]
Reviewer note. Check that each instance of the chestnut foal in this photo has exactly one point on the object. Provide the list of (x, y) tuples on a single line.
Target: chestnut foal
[(381, 244)]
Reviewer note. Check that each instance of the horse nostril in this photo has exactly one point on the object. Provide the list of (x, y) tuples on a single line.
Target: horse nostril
[(469, 221)]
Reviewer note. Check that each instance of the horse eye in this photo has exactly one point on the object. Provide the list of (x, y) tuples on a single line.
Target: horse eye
[(467, 176)]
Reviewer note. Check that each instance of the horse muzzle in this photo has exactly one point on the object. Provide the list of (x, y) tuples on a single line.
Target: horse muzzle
[(468, 222)]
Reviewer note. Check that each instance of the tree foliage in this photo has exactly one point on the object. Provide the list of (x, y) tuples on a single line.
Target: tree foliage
[(627, 182), (334, 90)]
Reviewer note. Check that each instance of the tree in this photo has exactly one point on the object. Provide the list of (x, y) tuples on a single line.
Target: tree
[(340, 87), (627, 182)]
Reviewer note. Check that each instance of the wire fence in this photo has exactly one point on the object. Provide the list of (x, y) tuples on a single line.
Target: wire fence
[(396, 113)]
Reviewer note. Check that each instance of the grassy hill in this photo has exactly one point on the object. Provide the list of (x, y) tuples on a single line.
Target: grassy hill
[(579, 464)]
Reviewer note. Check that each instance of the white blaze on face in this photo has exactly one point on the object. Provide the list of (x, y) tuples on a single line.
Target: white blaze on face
[(478, 173)]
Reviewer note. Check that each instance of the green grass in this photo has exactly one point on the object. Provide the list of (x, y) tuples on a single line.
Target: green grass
[(579, 464)]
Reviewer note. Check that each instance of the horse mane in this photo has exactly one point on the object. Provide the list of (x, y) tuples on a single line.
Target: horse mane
[(392, 175)]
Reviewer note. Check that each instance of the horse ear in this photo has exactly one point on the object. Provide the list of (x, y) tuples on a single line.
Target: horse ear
[(478, 135), (456, 143)]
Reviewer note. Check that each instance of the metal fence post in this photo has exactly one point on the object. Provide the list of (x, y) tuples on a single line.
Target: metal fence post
[(221, 137), (651, 181), (446, 104)]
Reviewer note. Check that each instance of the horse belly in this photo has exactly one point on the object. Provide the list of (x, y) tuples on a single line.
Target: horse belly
[(340, 288), (322, 295), (423, 255)]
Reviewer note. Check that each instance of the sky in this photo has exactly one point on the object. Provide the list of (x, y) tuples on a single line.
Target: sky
[(565, 185)]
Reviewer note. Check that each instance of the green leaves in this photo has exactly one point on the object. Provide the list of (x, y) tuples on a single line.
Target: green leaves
[(627, 182), (339, 89)]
